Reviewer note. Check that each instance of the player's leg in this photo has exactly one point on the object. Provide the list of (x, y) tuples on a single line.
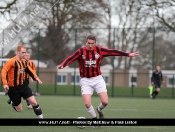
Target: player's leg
[(103, 103), (156, 91), (87, 92), (29, 106), (35, 106), (100, 88), (88, 105), (15, 98), (28, 95), (9, 100)]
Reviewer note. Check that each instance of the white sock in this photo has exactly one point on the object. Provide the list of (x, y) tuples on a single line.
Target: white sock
[(101, 107), (91, 111), (40, 116)]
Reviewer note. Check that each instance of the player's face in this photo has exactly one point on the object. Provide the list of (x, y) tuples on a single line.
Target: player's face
[(27, 57), (158, 68), (22, 53), (90, 44)]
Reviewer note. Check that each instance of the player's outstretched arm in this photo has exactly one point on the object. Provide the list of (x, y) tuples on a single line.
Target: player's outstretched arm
[(133, 54), (59, 67), (38, 80)]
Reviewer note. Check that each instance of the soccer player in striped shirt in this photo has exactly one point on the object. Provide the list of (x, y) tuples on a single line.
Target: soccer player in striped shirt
[(89, 60), (13, 79), (27, 77)]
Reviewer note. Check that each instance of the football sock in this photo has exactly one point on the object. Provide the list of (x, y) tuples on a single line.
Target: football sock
[(156, 93), (100, 107), (91, 111), (38, 111)]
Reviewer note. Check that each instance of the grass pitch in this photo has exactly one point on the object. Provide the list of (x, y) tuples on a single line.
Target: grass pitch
[(73, 107)]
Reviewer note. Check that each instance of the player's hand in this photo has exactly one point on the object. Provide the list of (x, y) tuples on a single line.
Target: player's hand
[(6, 88), (59, 67), (133, 54), (31, 79), (38, 80)]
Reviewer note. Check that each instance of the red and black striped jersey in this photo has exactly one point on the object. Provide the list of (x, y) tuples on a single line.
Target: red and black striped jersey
[(89, 61)]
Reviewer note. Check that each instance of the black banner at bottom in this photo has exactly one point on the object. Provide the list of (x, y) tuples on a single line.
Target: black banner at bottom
[(87, 122)]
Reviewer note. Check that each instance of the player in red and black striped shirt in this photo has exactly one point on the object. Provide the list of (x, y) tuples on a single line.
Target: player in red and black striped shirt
[(89, 62)]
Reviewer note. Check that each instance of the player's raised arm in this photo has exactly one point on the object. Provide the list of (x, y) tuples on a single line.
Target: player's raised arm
[(69, 59), (133, 54), (59, 67), (112, 52)]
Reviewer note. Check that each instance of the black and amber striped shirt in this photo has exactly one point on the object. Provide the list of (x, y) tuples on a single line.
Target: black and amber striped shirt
[(89, 61), (14, 71), (32, 65)]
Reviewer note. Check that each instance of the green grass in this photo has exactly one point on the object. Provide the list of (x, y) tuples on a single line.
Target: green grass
[(73, 107), (50, 89)]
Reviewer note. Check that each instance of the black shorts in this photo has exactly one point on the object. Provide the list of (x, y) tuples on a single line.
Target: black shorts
[(157, 85), (15, 93)]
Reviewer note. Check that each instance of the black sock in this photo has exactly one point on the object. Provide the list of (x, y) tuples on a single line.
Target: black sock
[(37, 110), (27, 102), (153, 93), (156, 93)]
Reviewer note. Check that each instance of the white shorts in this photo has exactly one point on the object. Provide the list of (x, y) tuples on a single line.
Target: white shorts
[(88, 85)]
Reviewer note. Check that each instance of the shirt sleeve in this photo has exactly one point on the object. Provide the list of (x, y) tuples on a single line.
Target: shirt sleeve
[(31, 72), (5, 70), (33, 66), (112, 52), (71, 58)]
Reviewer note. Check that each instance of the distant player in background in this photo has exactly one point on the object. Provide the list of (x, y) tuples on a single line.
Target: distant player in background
[(27, 77), (156, 81), (89, 59), (13, 79)]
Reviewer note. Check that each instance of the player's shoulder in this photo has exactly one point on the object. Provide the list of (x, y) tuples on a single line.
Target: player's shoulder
[(11, 60), (30, 61)]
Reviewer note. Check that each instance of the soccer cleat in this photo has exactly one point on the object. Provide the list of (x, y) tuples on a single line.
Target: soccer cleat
[(9, 101), (30, 106), (101, 115), (151, 96)]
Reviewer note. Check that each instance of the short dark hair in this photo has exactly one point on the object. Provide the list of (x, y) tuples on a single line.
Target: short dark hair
[(91, 37)]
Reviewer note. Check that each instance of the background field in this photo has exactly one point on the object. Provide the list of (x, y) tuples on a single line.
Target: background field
[(72, 107), (50, 89)]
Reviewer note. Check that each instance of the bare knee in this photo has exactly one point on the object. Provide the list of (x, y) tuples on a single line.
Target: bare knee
[(105, 103), (158, 89), (87, 104), (34, 103), (18, 109)]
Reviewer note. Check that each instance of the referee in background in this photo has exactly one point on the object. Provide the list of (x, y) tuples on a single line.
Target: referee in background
[(156, 81)]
